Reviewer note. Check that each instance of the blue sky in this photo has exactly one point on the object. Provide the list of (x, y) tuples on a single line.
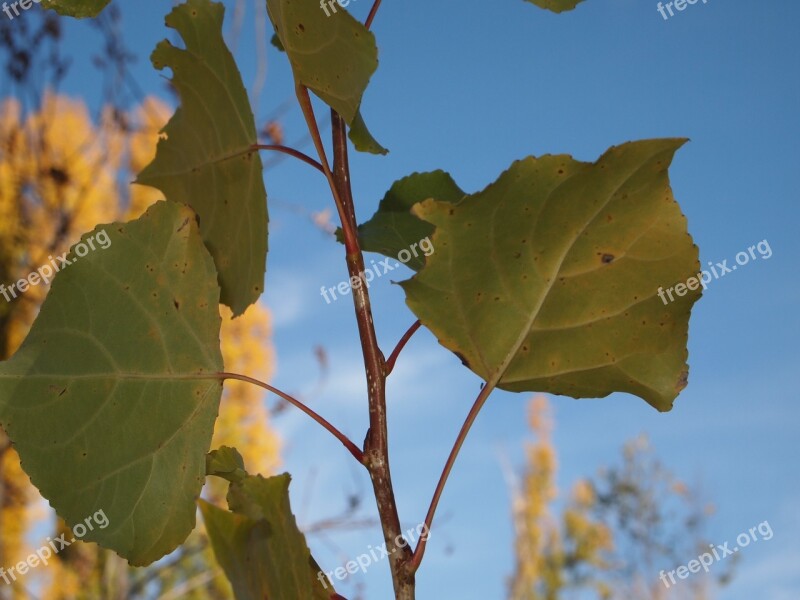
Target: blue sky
[(470, 87)]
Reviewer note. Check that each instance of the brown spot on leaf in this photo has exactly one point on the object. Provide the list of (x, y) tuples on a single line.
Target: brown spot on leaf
[(607, 258)]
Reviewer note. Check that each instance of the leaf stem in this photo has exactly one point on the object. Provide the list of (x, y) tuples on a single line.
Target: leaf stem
[(373, 11), (419, 551), (350, 237), (291, 152), (400, 345), (354, 450)]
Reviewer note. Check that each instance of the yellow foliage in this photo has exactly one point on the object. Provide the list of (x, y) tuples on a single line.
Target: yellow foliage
[(545, 548), (61, 174), (243, 421), (535, 530), (148, 119), (15, 508)]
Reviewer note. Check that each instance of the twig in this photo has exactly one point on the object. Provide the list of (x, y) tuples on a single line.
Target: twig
[(339, 523), (419, 551), (373, 11), (400, 345), (354, 450), (350, 240), (376, 444), (152, 574), (291, 152)]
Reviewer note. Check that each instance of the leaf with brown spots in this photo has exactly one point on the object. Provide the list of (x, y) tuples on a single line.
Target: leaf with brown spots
[(548, 279), (111, 399), (206, 157)]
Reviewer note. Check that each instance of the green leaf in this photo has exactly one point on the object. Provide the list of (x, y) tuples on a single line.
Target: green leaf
[(393, 228), (76, 8), (557, 6), (362, 139), (333, 56), (110, 400), (227, 463), (206, 159), (547, 280), (258, 545)]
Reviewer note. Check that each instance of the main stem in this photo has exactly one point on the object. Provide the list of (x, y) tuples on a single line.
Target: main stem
[(376, 444)]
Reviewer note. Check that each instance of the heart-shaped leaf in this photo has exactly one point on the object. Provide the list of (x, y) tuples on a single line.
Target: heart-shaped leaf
[(548, 279), (206, 159), (111, 399)]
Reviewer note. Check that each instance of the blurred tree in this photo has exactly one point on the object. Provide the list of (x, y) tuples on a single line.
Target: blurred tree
[(614, 533)]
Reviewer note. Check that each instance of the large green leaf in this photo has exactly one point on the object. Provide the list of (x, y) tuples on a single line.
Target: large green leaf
[(557, 6), (393, 227), (109, 401), (76, 8), (334, 56), (258, 545), (206, 159), (547, 280)]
